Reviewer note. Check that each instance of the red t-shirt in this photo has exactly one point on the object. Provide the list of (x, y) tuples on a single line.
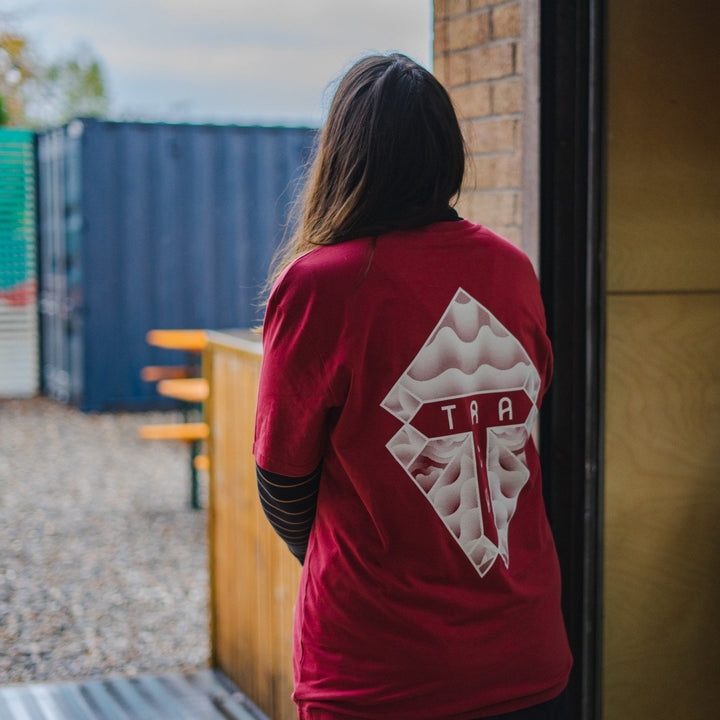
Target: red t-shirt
[(413, 367)]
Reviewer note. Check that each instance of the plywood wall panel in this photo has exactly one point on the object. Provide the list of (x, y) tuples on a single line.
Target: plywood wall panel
[(662, 504), (663, 189)]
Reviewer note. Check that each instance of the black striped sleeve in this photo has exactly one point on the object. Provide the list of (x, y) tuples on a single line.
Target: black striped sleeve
[(289, 504)]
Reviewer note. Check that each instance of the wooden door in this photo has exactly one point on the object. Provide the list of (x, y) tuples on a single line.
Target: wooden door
[(661, 626)]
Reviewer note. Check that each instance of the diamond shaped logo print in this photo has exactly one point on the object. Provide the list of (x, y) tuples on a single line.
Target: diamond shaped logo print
[(468, 402)]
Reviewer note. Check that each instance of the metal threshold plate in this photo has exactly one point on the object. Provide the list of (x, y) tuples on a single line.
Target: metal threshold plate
[(203, 695)]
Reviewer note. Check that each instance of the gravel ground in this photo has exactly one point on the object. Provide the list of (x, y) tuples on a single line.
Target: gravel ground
[(103, 567)]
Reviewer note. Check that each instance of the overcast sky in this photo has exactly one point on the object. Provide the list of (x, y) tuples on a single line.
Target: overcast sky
[(265, 61)]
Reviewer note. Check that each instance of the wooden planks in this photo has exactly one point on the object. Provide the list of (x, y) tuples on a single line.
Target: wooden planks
[(190, 340), (192, 390), (253, 577), (188, 432), (153, 373)]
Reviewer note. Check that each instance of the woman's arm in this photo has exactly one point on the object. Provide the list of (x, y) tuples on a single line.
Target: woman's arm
[(289, 504)]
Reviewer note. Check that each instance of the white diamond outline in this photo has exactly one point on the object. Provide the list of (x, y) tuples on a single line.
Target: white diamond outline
[(532, 378)]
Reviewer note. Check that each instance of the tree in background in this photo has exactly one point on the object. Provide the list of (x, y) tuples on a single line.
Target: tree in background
[(34, 93), (71, 87), (16, 73)]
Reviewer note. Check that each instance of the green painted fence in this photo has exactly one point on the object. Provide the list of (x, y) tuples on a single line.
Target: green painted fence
[(18, 260)]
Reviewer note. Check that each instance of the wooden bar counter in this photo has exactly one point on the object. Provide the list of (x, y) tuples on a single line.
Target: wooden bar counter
[(253, 576)]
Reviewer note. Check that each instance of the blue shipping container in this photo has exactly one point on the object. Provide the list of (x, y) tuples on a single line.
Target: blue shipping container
[(147, 226)]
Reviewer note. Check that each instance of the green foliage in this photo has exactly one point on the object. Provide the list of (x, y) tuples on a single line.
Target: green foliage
[(15, 72), (73, 87), (4, 114), (34, 93)]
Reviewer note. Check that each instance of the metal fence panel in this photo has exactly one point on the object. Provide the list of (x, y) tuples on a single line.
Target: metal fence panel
[(161, 226), (60, 222), (18, 294)]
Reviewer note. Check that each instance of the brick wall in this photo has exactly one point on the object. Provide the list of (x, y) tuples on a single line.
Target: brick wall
[(480, 55)]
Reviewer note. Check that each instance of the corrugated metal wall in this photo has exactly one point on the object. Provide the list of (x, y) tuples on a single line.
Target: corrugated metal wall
[(18, 296), (153, 226)]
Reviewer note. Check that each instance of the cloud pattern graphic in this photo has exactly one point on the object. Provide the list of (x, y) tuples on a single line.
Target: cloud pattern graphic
[(475, 494)]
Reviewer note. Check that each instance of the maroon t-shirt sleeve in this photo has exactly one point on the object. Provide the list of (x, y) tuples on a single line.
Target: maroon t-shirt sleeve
[(297, 387)]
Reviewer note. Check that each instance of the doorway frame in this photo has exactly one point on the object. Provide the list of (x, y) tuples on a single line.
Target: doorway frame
[(572, 271)]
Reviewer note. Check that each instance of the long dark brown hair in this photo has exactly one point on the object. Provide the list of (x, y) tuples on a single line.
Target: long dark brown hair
[(390, 156)]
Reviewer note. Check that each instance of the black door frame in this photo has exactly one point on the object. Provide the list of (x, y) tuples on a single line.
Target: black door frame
[(572, 277)]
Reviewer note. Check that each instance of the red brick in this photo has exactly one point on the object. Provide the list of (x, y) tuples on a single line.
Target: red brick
[(440, 70), (519, 58), (453, 8), (458, 68), (498, 171), (440, 37), (506, 21), (507, 96), (471, 101), (492, 209), (519, 139), (463, 205), (492, 135), (440, 9), (488, 63), (468, 31)]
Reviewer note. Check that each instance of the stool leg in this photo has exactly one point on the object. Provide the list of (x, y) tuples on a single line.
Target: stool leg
[(194, 484)]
